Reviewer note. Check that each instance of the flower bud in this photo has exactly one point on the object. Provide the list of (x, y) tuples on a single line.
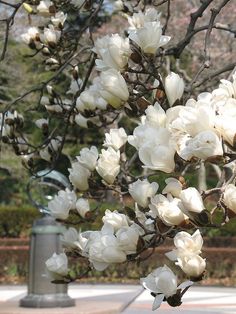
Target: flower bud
[(174, 87)]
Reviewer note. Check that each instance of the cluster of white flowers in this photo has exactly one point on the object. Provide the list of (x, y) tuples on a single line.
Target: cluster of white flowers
[(195, 130), (173, 208), (201, 129), (107, 163), (186, 254), (146, 31), (50, 35)]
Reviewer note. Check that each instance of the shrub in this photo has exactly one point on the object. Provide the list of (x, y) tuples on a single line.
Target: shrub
[(16, 221)]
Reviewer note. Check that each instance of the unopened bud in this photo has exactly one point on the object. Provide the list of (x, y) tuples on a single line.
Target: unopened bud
[(28, 8), (75, 73)]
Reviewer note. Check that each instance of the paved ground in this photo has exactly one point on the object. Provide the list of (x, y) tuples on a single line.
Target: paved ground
[(127, 299)]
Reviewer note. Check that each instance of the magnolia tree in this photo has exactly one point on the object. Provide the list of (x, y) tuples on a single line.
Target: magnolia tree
[(151, 117)]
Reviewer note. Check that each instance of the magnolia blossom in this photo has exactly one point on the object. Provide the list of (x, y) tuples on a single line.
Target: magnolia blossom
[(173, 186), (88, 157), (128, 239), (186, 244), (59, 19), (174, 87), (163, 282), (226, 126), (50, 35), (195, 118), (137, 20), (91, 99), (116, 138), (230, 197), (155, 116), (72, 240), (69, 238), (44, 7), (82, 206), (142, 190), (41, 123), (103, 248), (191, 265), (115, 219), (108, 165), (57, 265), (149, 38), (81, 121), (157, 157), (191, 200), (62, 203), (79, 176), (86, 101), (144, 134), (114, 53), (229, 87), (113, 88), (203, 146), (31, 35), (118, 5), (167, 209)]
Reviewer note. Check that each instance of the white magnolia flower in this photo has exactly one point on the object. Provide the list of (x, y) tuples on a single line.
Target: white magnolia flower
[(149, 38), (113, 88), (192, 265), (195, 119), (118, 5), (88, 157), (103, 248), (229, 87), (168, 210), (59, 19), (115, 219), (44, 101), (225, 125), (44, 7), (142, 190), (108, 165), (204, 145), (86, 101), (69, 238), (128, 239), (79, 176), (137, 20), (157, 157), (173, 186), (41, 123), (191, 200), (50, 35), (114, 54), (155, 116), (31, 35), (116, 138), (81, 121), (163, 282), (82, 206), (57, 264), (230, 197), (144, 134), (186, 244), (174, 87), (62, 203)]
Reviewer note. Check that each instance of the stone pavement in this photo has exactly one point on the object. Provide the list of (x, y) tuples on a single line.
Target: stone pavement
[(127, 299)]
